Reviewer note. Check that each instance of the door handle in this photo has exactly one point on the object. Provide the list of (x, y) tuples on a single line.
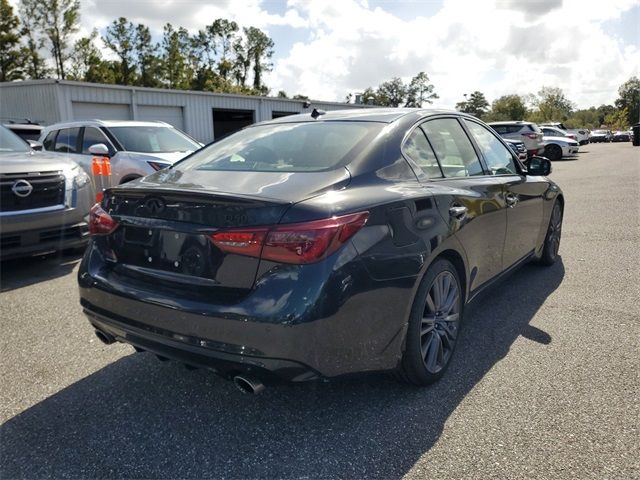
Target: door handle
[(457, 211), (511, 199)]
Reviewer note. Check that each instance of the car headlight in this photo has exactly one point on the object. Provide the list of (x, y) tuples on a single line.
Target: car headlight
[(77, 176)]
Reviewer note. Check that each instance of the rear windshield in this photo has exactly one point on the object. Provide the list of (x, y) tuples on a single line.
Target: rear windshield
[(10, 142), (153, 139), (289, 147)]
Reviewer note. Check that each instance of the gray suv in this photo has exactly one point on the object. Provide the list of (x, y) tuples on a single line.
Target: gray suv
[(526, 132), (44, 199), (136, 148)]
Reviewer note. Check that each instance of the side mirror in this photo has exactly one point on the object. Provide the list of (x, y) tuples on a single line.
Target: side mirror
[(538, 166), (99, 150), (35, 145)]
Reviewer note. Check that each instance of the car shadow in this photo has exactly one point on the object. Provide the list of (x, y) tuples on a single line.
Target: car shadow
[(139, 418), (22, 272)]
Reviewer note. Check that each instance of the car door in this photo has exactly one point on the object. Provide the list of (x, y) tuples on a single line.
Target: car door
[(523, 194), (470, 200)]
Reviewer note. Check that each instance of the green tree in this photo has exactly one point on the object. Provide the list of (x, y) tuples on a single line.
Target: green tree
[(259, 48), (629, 99), (507, 107), (420, 91), (618, 120), (282, 94), (120, 38), (475, 105), (58, 20), (585, 118), (87, 63), (552, 105), (391, 93), (603, 112), (34, 65), (146, 58), (10, 55), (176, 46), (224, 34)]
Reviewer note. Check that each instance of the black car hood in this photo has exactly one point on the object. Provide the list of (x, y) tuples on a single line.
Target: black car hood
[(289, 187)]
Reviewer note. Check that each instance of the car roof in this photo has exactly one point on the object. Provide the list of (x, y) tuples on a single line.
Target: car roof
[(380, 115), (515, 122), (23, 126), (108, 123)]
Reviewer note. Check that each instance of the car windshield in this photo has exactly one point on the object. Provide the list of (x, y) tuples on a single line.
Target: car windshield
[(151, 139), (290, 147), (10, 142)]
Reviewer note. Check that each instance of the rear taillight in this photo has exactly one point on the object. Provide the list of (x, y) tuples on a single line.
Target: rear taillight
[(100, 222), (297, 243), (532, 135)]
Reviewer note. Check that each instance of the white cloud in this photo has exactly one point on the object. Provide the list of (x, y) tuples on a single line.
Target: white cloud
[(496, 47)]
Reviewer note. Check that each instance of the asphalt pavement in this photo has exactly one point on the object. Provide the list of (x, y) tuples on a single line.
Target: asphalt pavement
[(545, 382)]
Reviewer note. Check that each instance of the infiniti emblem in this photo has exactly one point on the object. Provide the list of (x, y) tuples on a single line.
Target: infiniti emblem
[(22, 188), (154, 205)]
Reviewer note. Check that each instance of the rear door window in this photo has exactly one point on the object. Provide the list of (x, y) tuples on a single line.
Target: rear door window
[(93, 136), (499, 158), (50, 140), (418, 149), (67, 140), (453, 148)]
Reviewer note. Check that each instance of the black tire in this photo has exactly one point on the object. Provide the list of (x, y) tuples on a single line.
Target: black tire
[(553, 236), (553, 152), (434, 324), (129, 179)]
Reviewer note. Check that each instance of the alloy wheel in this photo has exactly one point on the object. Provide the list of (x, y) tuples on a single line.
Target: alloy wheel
[(440, 322), (555, 230)]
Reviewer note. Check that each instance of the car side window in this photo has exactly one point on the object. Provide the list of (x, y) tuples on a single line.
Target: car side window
[(67, 140), (452, 148), (93, 136), (498, 157), (418, 149), (49, 140)]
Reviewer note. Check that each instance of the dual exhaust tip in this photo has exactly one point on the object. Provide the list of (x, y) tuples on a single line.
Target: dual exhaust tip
[(245, 383)]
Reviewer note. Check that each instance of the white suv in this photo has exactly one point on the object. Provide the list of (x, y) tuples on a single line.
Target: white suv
[(527, 132), (136, 149)]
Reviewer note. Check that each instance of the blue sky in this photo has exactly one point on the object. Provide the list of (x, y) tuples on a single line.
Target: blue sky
[(328, 48)]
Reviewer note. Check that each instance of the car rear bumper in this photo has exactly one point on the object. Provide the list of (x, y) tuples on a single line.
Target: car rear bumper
[(316, 325)]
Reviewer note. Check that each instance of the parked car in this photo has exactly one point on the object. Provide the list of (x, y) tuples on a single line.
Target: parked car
[(44, 199), (621, 136), (28, 131), (314, 246), (556, 132), (599, 136), (518, 147), (582, 135), (527, 132), (556, 148), (136, 148)]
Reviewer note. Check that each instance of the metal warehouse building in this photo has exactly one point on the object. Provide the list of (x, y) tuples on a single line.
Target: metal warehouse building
[(203, 115)]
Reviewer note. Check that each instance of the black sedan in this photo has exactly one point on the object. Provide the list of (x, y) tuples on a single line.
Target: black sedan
[(318, 245)]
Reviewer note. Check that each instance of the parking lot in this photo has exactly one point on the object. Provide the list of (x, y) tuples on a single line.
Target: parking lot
[(545, 382)]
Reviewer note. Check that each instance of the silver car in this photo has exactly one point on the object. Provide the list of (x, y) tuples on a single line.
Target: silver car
[(44, 199), (136, 149), (527, 132), (556, 148)]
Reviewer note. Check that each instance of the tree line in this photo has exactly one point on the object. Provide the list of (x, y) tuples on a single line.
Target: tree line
[(551, 104), (222, 57)]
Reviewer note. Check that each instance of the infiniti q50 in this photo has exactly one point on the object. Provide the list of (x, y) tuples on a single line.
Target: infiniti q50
[(318, 245)]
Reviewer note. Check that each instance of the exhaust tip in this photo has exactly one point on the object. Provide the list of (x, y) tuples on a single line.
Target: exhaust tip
[(247, 384), (105, 337)]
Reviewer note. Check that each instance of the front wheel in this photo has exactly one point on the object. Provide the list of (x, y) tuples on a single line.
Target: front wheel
[(552, 239), (553, 152), (433, 325)]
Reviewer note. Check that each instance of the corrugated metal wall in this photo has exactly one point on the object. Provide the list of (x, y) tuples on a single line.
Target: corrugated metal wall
[(52, 101), (35, 101)]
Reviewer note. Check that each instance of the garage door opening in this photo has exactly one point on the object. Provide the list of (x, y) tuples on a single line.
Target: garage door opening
[(282, 114), (226, 122)]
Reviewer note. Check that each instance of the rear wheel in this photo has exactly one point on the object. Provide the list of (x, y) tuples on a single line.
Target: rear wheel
[(552, 239), (433, 326), (553, 152)]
